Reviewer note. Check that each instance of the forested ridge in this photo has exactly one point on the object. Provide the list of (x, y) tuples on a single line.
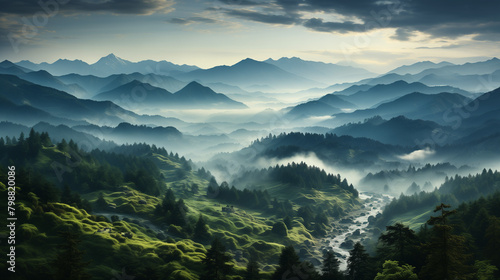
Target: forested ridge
[(264, 238)]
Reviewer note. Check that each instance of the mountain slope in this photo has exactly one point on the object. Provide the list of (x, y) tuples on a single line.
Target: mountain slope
[(396, 131), (327, 73), (156, 80), (134, 94), (386, 92), (196, 95), (472, 83), (419, 67), (95, 85), (311, 109), (475, 77), (40, 77), (62, 104), (108, 65), (28, 115), (248, 73), (337, 101), (470, 68), (414, 106), (7, 67)]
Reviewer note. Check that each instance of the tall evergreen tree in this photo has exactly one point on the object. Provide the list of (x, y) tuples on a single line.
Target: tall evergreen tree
[(446, 252), (252, 271), (330, 268), (492, 237), (69, 261), (357, 263), (217, 262), (201, 229), (398, 243), (288, 264)]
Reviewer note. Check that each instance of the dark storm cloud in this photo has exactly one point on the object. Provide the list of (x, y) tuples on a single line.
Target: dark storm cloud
[(22, 21), (186, 21), (444, 18), (139, 7), (264, 18), (452, 46), (240, 2), (340, 27), (402, 34)]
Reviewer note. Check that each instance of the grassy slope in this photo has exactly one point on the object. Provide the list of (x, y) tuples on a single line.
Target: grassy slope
[(245, 233), (414, 219)]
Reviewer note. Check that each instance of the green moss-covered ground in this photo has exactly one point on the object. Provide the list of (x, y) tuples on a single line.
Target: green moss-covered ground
[(154, 249)]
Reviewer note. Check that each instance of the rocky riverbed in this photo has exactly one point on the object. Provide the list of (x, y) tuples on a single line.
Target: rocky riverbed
[(355, 227)]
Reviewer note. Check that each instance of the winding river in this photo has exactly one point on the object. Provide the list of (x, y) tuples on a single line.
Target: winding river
[(354, 227)]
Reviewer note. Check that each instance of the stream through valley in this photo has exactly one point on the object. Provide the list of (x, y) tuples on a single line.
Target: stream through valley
[(354, 227)]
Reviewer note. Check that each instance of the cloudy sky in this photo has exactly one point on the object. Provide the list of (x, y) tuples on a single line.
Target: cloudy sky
[(378, 34)]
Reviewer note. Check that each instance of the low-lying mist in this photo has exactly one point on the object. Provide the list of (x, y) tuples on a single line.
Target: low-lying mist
[(353, 176)]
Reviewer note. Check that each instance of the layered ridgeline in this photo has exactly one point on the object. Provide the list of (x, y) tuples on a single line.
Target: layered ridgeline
[(107, 65), (474, 77), (415, 207), (57, 105), (329, 149), (412, 180), (448, 233), (143, 95), (148, 213)]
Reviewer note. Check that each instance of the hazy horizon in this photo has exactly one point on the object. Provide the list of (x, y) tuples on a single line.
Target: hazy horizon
[(375, 35)]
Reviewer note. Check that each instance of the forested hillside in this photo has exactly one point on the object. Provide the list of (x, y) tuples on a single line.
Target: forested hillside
[(155, 214)]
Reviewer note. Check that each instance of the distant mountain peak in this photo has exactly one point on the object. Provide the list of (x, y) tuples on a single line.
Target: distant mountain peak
[(111, 55), (6, 63), (111, 60), (293, 58), (60, 60), (400, 82), (247, 61), (195, 87)]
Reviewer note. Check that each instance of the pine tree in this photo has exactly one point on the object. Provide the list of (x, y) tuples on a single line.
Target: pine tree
[(398, 243), (69, 261), (446, 252), (288, 264), (168, 203), (217, 262), (492, 237), (179, 213), (330, 268), (66, 196), (34, 143), (288, 222), (201, 229), (252, 271), (101, 203), (357, 263)]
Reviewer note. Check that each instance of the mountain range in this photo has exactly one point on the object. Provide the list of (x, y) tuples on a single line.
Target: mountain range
[(475, 77), (194, 95), (418, 67), (106, 66), (414, 105), (327, 73), (386, 92), (60, 104), (250, 74), (396, 131)]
